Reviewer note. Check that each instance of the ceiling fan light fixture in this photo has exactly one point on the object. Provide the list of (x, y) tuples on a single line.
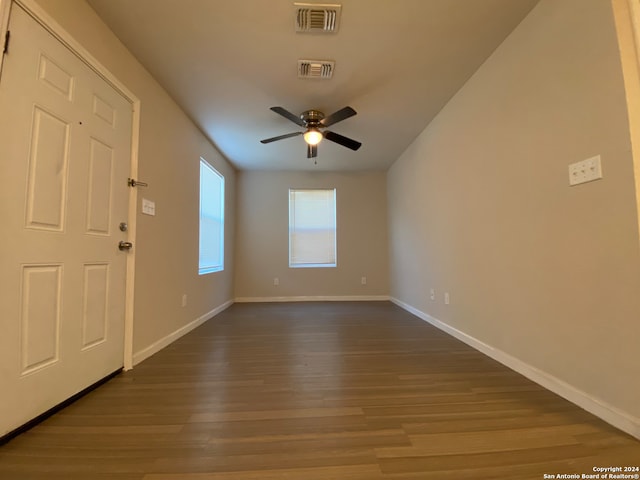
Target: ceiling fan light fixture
[(314, 121), (312, 136)]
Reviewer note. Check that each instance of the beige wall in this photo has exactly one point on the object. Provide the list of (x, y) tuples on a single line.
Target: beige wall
[(169, 154), (262, 236), (480, 207)]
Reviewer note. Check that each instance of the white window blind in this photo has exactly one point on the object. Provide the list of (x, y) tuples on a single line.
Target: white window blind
[(312, 228), (211, 258)]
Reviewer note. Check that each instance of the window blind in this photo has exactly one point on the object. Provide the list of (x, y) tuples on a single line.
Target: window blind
[(312, 228), (211, 257)]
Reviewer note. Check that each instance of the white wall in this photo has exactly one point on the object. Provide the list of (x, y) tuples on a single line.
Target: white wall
[(169, 155), (262, 237), (541, 273)]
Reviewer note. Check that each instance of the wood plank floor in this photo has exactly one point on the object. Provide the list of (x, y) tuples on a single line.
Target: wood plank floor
[(317, 391)]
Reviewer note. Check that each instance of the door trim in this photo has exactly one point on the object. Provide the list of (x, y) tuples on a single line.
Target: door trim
[(4, 22), (627, 21), (34, 10)]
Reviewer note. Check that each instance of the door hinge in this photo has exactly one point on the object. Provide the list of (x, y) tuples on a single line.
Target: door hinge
[(7, 36)]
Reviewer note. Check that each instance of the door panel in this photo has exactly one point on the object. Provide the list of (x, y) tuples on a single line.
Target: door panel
[(95, 302), (40, 319), (65, 143), (47, 177), (99, 188)]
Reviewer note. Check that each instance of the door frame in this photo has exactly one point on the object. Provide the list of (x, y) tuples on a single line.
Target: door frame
[(627, 19), (52, 26), (4, 21)]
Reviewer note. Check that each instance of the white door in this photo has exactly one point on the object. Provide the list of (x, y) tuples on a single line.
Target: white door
[(65, 137)]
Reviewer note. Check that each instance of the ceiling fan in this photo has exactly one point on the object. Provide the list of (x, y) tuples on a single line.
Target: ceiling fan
[(314, 123)]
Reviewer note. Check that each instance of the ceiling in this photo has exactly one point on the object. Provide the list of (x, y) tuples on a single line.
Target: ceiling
[(226, 63)]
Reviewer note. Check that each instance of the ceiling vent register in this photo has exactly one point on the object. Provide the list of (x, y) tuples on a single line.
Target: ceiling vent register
[(317, 17), (322, 69)]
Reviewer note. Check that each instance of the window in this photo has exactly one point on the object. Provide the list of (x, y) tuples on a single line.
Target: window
[(312, 228), (211, 220)]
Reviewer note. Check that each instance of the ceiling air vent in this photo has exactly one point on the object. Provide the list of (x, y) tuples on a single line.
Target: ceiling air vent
[(315, 69), (317, 17)]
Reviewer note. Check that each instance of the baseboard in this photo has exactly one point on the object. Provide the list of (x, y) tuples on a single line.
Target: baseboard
[(610, 414), (172, 337), (346, 298)]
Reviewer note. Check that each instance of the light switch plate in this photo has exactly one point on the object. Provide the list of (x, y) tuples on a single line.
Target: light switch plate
[(585, 171), (148, 207)]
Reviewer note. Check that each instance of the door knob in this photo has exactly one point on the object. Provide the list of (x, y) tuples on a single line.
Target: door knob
[(125, 245)]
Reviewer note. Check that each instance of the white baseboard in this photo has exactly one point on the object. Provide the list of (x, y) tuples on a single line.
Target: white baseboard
[(610, 414), (172, 337), (346, 298)]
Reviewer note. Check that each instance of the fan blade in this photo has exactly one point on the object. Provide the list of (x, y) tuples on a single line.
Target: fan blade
[(338, 116), (280, 137), (342, 140), (288, 115), (312, 151)]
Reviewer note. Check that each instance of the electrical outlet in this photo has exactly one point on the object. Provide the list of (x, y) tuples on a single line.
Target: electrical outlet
[(432, 294), (585, 171), (184, 299), (363, 280), (276, 281), (446, 298)]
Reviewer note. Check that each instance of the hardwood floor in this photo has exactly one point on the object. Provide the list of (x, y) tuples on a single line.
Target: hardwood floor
[(317, 391)]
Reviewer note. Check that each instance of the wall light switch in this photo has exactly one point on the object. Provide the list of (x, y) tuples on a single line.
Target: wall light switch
[(585, 171), (148, 207)]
